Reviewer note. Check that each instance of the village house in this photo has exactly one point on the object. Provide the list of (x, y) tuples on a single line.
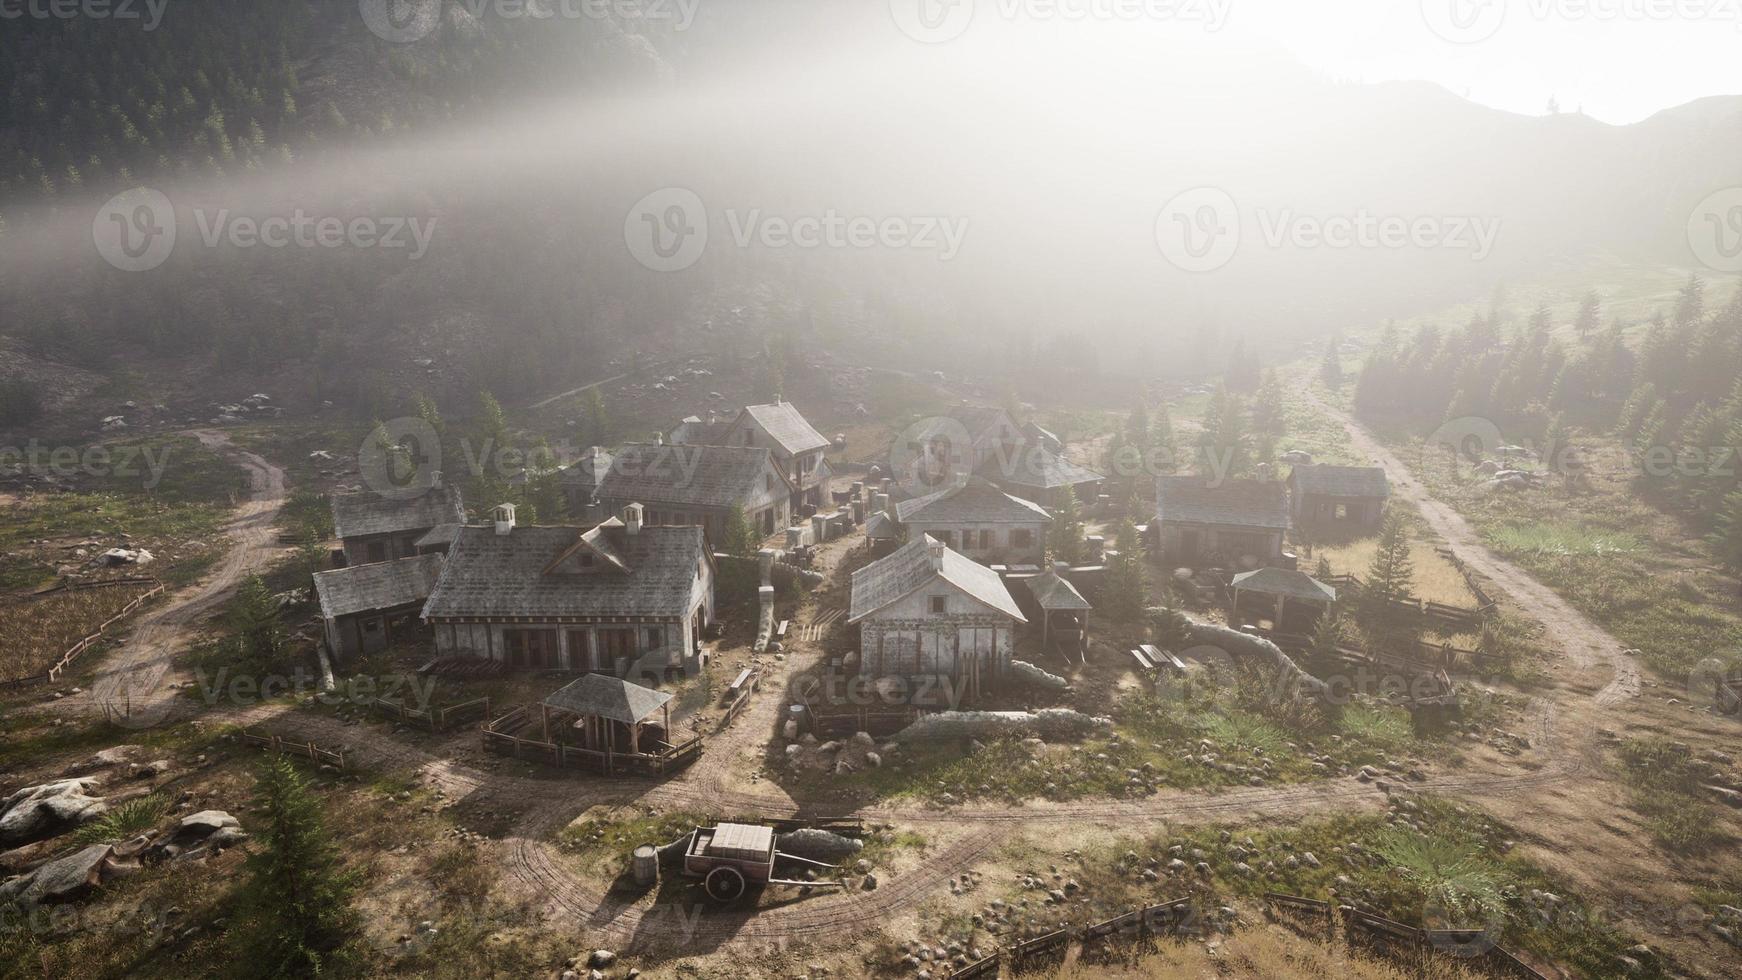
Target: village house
[(697, 484), (376, 528), (927, 613), (950, 446), (1033, 472), (979, 520), (623, 598), (779, 427), (1332, 496), (1235, 520), (366, 608)]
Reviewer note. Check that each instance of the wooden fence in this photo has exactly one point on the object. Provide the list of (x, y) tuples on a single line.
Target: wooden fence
[(1448, 618), (1385, 933), (1038, 954), (434, 719), (499, 738), (155, 588), (273, 743), (738, 695)]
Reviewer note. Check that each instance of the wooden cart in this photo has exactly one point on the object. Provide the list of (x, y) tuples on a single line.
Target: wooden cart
[(731, 856)]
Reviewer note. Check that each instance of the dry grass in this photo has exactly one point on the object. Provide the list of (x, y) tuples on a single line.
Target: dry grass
[(35, 632), (1274, 954), (1435, 578)]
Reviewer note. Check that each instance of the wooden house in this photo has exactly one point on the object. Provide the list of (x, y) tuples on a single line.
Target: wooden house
[(780, 428), (624, 598), (926, 612), (1337, 496), (1235, 521), (1033, 472), (376, 528), (696, 484), (363, 607), (979, 520)]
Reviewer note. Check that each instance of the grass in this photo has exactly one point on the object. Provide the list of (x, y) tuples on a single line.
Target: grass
[(605, 844), (1665, 783), (124, 822), (1434, 578), (1555, 539), (34, 633), (1380, 726)]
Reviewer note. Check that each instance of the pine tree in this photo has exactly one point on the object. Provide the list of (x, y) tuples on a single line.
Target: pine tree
[(1635, 409), (299, 890), (1727, 540), (1164, 449), (1066, 537), (1389, 578), (1125, 592), (1267, 411), (598, 424), (1590, 314), (737, 537), (1222, 449), (257, 633)]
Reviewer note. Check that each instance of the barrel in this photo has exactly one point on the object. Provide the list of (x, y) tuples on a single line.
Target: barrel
[(646, 866)]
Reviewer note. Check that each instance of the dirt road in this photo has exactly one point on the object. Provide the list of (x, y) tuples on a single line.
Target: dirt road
[(129, 685)]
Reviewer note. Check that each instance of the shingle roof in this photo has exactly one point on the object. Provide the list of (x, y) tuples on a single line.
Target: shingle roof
[(588, 470), (881, 525), (693, 431), (1055, 592), (512, 575), (1285, 582), (607, 697), (438, 536), (699, 476), (911, 566), (786, 426), (978, 420), (1033, 465), (1203, 500), (1340, 481), (975, 501), (360, 514), (381, 585)]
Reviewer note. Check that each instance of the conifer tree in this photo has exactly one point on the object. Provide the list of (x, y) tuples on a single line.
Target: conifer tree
[(1066, 538), (1125, 592), (299, 892), (737, 537), (1389, 578)]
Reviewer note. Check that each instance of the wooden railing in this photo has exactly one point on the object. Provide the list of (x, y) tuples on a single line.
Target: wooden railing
[(72, 653), (273, 743), (738, 695), (434, 719), (498, 737)]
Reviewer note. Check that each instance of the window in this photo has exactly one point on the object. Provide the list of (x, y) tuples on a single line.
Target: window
[(377, 551), (586, 560), (988, 539), (1342, 512), (655, 638), (939, 605), (1021, 537)]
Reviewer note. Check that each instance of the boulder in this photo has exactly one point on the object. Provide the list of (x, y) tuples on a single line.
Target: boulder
[(49, 810), (1023, 672), (59, 880), (818, 845)]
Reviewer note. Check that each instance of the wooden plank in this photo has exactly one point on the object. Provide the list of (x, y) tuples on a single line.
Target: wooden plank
[(1143, 663)]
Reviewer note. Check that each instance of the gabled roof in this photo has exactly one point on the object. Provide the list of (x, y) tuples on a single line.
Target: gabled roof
[(607, 697), (1285, 582), (377, 586), (975, 501), (360, 514), (783, 424), (587, 471), (980, 422), (439, 536), (908, 569), (1205, 500), (880, 526), (1054, 592), (1033, 465), (696, 432), (517, 575), (1044, 436), (1340, 481), (693, 475)]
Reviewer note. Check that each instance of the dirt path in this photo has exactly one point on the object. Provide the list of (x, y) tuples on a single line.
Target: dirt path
[(1585, 643), (128, 686)]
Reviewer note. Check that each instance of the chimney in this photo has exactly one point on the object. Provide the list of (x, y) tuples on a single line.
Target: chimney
[(659, 438), (713, 416), (778, 400), (935, 550), (632, 519), (503, 515), (435, 479), (880, 503)]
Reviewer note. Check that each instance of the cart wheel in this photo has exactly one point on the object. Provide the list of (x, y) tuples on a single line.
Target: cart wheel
[(724, 884)]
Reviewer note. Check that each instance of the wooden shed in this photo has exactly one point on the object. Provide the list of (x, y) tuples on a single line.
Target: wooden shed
[(610, 714), (364, 606)]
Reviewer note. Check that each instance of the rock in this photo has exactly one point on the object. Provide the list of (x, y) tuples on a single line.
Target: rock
[(819, 845), (869, 884), (601, 958), (59, 880), (48, 810)]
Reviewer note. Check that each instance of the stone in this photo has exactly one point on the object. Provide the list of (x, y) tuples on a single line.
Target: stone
[(601, 958), (48, 810), (59, 880), (869, 884)]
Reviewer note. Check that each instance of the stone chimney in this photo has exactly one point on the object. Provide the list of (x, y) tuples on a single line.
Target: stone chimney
[(879, 503), (779, 400), (632, 519), (503, 515), (935, 551), (659, 438)]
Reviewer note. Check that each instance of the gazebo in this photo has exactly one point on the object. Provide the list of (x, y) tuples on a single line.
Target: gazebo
[(610, 713), (1282, 584), (1055, 594)]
